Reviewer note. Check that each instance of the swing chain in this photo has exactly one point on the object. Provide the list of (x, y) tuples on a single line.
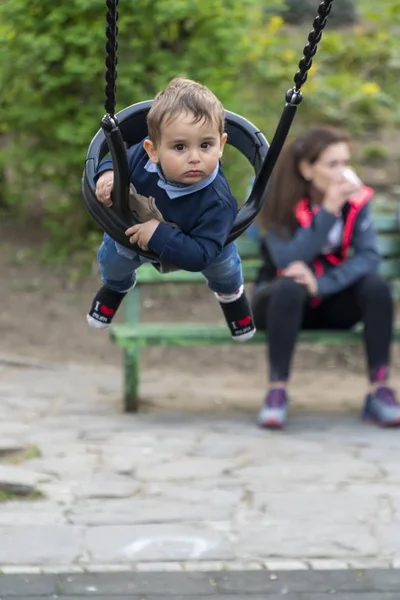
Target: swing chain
[(294, 95), (111, 63)]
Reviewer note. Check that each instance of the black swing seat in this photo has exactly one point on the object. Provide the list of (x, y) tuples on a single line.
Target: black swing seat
[(131, 129)]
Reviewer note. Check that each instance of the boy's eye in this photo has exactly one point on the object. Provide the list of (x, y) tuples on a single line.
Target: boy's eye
[(179, 147), (206, 145)]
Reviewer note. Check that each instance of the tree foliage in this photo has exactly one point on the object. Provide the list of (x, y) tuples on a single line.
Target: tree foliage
[(52, 81)]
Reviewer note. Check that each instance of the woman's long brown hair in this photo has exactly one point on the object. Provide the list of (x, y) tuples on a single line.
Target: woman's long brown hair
[(287, 185)]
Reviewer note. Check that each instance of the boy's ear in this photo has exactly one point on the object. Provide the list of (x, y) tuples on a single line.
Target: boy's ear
[(224, 137), (151, 150)]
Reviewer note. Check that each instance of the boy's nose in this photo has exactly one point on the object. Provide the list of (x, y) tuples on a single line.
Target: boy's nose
[(194, 158)]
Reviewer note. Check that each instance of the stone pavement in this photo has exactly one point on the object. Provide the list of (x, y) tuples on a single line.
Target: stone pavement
[(178, 492), (301, 585)]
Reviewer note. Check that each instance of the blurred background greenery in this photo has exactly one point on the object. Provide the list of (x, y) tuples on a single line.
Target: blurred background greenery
[(246, 51)]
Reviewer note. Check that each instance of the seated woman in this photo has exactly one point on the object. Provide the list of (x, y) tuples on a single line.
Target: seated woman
[(320, 268)]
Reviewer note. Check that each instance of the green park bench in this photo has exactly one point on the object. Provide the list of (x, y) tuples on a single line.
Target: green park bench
[(133, 335)]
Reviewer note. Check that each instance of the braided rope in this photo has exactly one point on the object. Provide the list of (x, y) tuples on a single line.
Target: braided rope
[(314, 37), (111, 56)]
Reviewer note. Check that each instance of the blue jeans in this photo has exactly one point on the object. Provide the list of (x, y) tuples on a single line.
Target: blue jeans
[(118, 267)]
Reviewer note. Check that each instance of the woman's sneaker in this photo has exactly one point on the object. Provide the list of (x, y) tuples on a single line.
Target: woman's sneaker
[(273, 412), (382, 407)]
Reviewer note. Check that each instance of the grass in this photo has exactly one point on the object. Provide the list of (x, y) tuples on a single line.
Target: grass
[(18, 456), (8, 496)]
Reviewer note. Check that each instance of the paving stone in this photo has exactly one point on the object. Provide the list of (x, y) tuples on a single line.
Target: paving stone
[(197, 492), (106, 485), (174, 596), (232, 597), (280, 596), (347, 596), (285, 565), (331, 564), (22, 585), (65, 463), (281, 538), (295, 585), (293, 472), (60, 492), (177, 542), (386, 580), (241, 585), (39, 512), (168, 584), (301, 581), (21, 569), (142, 511), (10, 447), (341, 508), (18, 480), (370, 563), (32, 545), (187, 468), (388, 538)]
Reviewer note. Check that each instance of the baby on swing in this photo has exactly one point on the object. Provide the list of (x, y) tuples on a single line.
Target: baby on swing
[(179, 191)]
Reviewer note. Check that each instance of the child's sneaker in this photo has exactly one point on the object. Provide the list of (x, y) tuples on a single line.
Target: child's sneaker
[(382, 407), (238, 315), (273, 412), (104, 306)]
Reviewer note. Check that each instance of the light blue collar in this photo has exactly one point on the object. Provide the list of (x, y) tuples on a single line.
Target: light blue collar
[(175, 190)]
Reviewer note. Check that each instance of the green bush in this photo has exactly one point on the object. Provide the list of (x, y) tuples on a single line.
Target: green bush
[(52, 82)]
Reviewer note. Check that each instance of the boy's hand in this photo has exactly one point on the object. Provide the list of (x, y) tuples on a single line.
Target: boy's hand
[(104, 187), (141, 233)]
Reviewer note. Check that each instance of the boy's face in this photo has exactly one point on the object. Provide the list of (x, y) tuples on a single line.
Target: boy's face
[(188, 152)]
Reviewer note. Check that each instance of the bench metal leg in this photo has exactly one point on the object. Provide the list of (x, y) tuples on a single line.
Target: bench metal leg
[(132, 355), (131, 378)]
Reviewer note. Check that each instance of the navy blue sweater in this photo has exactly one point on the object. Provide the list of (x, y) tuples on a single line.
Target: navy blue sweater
[(203, 218)]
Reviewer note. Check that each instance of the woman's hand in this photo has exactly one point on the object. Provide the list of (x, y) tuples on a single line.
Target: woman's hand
[(302, 275)]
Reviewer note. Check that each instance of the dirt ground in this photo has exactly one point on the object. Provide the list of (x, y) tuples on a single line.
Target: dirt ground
[(42, 316)]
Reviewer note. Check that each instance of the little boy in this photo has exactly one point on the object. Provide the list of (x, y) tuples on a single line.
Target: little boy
[(181, 196)]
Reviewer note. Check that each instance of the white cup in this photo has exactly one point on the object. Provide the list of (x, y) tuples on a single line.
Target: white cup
[(349, 174), (351, 177)]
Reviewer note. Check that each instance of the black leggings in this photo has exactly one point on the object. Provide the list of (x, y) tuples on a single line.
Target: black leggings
[(285, 309)]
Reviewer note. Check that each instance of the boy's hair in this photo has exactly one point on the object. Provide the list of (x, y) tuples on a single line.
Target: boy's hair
[(183, 95)]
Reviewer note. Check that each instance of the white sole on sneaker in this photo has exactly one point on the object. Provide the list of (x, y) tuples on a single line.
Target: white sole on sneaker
[(245, 336), (96, 324)]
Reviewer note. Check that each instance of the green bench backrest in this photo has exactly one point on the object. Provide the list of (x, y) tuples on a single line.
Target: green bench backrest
[(386, 224)]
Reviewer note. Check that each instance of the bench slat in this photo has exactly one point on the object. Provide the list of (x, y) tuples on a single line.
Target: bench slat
[(200, 334), (247, 248), (386, 222), (390, 268), (389, 245)]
